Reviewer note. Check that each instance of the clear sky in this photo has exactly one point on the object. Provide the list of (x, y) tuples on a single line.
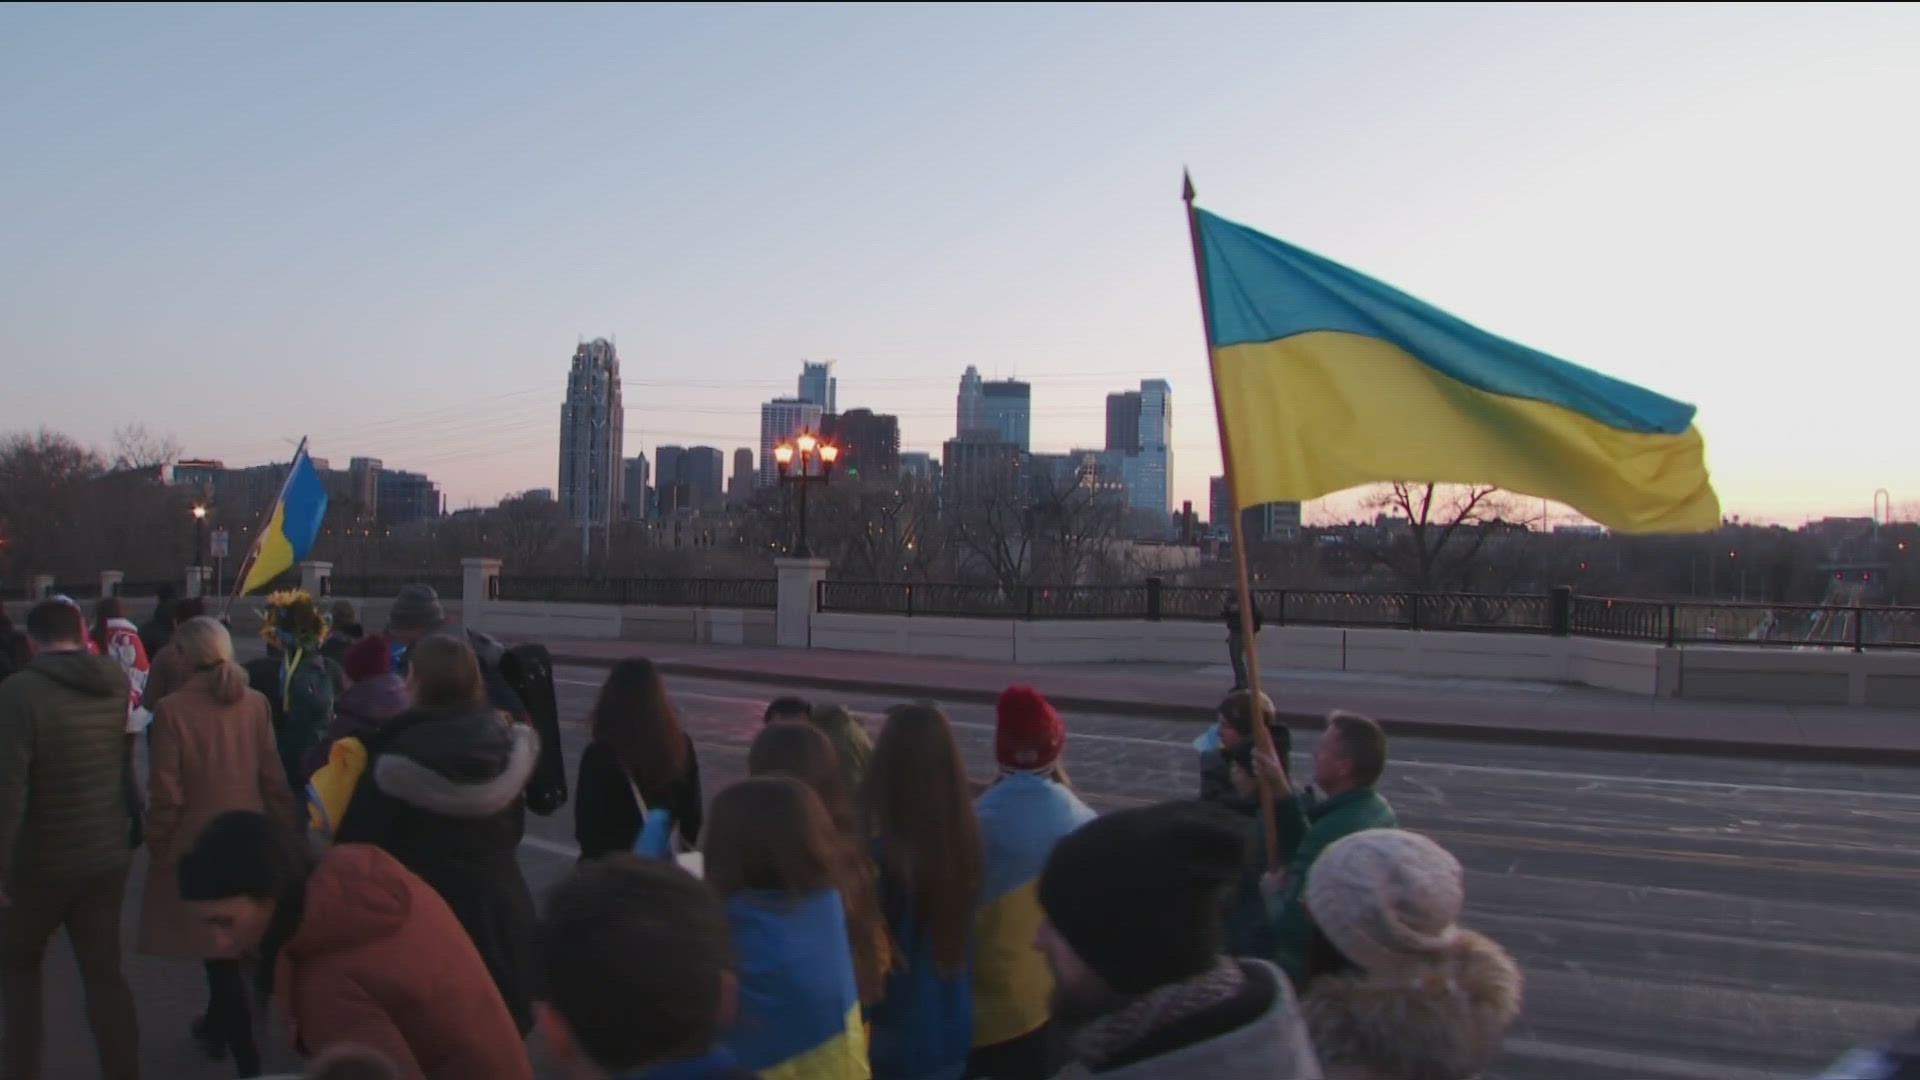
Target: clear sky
[(387, 227)]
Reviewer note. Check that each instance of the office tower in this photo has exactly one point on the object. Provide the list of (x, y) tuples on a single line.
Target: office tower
[(1007, 412), (978, 471), (869, 443), (818, 385), (633, 500), (1123, 421), (592, 424), (669, 479), (704, 470), (740, 488), (919, 466), (405, 498), (971, 413), (781, 420), (363, 502), (1219, 505)]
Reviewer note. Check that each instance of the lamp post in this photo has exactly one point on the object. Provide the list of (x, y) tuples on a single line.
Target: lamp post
[(199, 536), (794, 461)]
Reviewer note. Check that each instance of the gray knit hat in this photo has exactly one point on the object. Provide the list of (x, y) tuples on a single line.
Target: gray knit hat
[(1385, 896), (417, 608)]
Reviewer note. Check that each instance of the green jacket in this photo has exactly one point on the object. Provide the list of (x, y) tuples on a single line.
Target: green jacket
[(64, 765), (1306, 827)]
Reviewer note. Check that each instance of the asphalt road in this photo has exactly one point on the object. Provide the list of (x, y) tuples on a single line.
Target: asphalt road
[(1676, 917)]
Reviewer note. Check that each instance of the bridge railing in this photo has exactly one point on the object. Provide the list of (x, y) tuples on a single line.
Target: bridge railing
[(1672, 623), (659, 592)]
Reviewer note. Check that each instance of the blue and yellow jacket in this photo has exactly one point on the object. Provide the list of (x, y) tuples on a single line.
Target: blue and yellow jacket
[(1021, 819), (799, 1011)]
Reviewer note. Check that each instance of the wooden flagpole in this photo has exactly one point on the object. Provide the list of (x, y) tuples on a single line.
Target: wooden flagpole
[(1262, 737), (253, 550)]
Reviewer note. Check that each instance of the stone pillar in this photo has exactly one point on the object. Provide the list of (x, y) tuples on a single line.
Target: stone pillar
[(196, 581), (797, 600), (479, 586), (316, 579), (110, 582), (40, 587)]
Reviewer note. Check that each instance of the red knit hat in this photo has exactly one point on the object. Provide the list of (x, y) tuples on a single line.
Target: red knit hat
[(1030, 735), (369, 657)]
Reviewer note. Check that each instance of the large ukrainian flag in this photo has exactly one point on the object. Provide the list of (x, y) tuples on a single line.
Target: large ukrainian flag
[(296, 519), (1329, 380)]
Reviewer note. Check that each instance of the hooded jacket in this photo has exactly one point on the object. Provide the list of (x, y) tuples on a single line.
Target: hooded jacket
[(441, 793), (1435, 1018), (378, 960), (65, 764), (1257, 1035)]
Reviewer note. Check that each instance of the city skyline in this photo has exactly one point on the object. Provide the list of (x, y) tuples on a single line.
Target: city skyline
[(266, 207)]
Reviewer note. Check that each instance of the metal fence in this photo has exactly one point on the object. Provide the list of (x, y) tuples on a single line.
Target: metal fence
[(386, 584), (663, 592), (1563, 612)]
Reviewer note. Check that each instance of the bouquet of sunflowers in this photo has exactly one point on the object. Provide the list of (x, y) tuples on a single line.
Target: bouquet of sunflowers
[(294, 622)]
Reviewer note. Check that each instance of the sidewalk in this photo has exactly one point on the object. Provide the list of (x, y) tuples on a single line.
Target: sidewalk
[(1485, 710)]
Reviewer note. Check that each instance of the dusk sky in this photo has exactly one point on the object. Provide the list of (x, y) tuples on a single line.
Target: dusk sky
[(387, 228)]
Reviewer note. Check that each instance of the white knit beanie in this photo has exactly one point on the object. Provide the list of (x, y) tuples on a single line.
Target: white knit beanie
[(1385, 896)]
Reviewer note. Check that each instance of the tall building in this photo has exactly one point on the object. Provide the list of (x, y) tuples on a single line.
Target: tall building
[(921, 466), (1156, 414), (592, 430), (633, 490), (740, 488), (405, 498), (669, 479), (970, 421), (1140, 436), (1269, 521), (869, 443), (1123, 421), (818, 385), (703, 470), (977, 471), (1008, 413), (1219, 505), (780, 420), (363, 483)]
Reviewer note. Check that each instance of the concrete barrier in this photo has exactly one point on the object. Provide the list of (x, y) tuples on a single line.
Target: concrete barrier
[(1714, 673)]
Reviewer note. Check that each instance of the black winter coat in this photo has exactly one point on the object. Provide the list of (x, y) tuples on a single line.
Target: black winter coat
[(441, 794), (606, 819)]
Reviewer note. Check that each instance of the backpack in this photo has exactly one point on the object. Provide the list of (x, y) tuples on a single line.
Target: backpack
[(528, 670)]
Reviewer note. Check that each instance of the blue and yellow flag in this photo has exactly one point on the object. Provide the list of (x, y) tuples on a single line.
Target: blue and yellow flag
[(1329, 380), (1021, 818), (799, 1013), (296, 518)]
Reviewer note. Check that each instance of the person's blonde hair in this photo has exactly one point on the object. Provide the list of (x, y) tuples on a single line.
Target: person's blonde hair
[(444, 673), (208, 649)]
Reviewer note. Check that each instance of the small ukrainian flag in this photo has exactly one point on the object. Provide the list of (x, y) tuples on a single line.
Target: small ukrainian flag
[(289, 534), (1328, 380)]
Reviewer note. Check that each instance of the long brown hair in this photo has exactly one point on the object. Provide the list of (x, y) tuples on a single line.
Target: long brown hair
[(207, 647), (798, 750), (918, 806), (634, 719), (769, 834), (444, 674)]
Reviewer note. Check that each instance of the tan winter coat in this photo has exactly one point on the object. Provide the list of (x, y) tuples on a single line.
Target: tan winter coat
[(209, 756), (1434, 1019)]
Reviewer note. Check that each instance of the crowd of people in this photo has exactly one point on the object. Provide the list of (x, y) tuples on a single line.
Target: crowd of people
[(855, 907)]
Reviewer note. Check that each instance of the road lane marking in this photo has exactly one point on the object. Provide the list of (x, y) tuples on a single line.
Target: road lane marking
[(1632, 1064)]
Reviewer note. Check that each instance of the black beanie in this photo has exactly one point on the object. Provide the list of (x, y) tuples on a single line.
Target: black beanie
[(1137, 893)]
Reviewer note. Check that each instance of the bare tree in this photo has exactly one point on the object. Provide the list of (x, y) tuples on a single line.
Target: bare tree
[(529, 528), (1024, 530), (134, 447), (1442, 529), (48, 504)]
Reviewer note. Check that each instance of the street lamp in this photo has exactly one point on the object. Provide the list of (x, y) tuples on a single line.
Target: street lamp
[(805, 447), (199, 536)]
